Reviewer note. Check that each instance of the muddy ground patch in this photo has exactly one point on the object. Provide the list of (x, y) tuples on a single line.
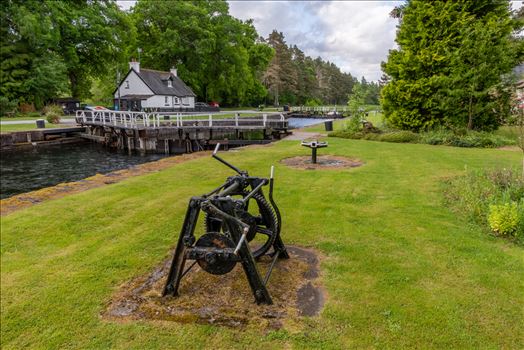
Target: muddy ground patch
[(323, 162), (226, 300)]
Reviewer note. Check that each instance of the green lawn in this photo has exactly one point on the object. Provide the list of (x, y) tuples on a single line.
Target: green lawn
[(338, 124), (23, 127), (22, 117), (401, 270)]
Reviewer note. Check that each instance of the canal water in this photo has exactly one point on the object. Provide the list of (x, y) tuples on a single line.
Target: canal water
[(28, 170), (297, 123)]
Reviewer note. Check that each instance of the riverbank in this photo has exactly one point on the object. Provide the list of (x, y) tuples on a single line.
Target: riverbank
[(24, 200)]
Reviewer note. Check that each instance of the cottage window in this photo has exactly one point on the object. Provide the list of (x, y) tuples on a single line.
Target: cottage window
[(127, 84), (166, 101), (176, 100), (185, 101), (169, 83)]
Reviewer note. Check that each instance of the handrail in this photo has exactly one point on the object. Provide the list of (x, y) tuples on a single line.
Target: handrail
[(134, 120)]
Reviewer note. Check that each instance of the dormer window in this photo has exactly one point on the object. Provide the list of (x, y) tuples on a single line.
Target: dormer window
[(169, 83)]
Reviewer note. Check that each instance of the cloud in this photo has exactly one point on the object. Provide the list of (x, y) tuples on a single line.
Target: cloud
[(355, 35)]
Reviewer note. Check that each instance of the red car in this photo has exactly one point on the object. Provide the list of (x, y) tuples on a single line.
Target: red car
[(213, 104)]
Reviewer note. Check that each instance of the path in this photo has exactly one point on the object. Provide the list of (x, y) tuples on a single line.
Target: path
[(302, 135)]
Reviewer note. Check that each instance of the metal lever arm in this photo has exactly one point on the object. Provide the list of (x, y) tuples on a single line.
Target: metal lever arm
[(224, 162)]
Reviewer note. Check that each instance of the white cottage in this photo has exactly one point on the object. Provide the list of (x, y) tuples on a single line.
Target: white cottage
[(153, 90)]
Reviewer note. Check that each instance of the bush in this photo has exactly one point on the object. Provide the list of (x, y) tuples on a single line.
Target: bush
[(53, 113), (489, 198), (313, 102), (52, 118), (53, 109), (433, 137), (504, 218), (7, 106)]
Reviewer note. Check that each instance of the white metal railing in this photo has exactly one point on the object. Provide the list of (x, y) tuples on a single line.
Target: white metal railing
[(135, 120), (319, 109)]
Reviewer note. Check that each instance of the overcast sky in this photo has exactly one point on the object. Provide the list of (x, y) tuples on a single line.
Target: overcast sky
[(355, 35)]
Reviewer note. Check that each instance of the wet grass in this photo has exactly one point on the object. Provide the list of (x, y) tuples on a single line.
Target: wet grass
[(401, 269)]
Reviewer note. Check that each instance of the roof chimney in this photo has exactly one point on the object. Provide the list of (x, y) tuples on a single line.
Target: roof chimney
[(173, 71), (134, 65)]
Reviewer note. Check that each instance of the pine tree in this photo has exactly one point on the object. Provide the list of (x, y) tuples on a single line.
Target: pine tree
[(451, 57)]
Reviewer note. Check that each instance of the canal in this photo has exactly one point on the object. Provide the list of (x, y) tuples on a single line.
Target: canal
[(28, 170)]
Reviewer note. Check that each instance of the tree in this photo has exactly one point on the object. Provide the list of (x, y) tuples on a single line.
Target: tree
[(52, 47), (219, 56), (356, 100), (451, 57)]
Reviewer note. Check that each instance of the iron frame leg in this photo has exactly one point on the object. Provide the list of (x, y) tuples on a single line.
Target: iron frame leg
[(185, 240)]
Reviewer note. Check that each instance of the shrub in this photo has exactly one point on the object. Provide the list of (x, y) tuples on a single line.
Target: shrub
[(353, 124), (53, 113), (486, 197), (504, 218), (7, 106), (54, 109), (52, 118), (313, 102)]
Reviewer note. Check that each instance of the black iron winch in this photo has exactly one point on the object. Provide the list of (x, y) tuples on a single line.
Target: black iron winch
[(241, 225)]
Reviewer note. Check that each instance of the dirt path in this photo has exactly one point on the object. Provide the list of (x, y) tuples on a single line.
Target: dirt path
[(302, 135), (24, 200)]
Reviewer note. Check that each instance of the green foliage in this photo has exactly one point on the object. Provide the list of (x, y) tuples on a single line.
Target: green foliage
[(448, 68), (357, 100), (216, 54), (49, 48), (53, 113), (493, 198), (313, 102), (504, 218), (7, 106), (294, 78), (439, 136)]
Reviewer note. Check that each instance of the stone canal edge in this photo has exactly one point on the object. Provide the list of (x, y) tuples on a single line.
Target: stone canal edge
[(28, 199)]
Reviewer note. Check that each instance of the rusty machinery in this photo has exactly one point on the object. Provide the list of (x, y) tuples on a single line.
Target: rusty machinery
[(241, 225), (314, 145)]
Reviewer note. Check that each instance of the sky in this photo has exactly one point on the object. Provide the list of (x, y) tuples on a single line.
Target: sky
[(355, 35)]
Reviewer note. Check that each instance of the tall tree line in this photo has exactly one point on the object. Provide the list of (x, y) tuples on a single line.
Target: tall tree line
[(54, 48), (294, 78)]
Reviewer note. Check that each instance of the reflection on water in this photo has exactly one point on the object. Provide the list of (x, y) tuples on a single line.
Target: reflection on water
[(28, 170), (297, 123)]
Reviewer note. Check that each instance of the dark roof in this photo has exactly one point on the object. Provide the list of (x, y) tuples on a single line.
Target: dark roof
[(157, 82)]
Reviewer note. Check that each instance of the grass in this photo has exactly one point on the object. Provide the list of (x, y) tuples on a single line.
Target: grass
[(511, 132), (338, 124), (401, 269), (24, 127), (30, 116)]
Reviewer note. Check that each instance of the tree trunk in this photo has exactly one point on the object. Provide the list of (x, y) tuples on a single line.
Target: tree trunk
[(74, 85), (470, 113)]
